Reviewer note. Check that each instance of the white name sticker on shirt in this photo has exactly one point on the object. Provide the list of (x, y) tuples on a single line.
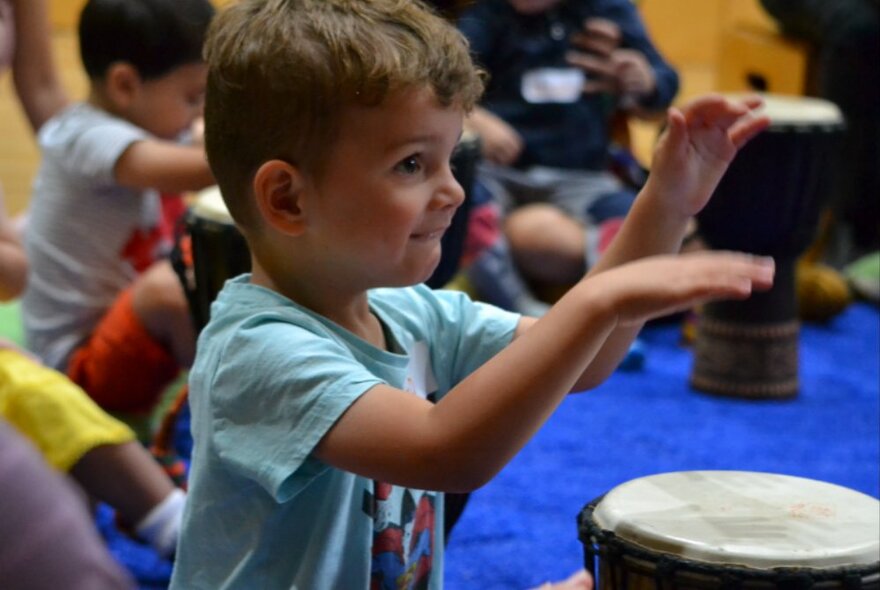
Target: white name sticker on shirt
[(419, 374), (553, 85)]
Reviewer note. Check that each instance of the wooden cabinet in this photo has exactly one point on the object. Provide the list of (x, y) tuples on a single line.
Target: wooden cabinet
[(754, 55)]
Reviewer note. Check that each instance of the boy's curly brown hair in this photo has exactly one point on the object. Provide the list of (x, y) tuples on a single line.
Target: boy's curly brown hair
[(281, 71)]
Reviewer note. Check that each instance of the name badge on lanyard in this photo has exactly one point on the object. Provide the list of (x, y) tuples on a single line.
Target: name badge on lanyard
[(553, 85)]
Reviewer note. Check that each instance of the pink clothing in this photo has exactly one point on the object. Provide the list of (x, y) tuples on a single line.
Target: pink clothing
[(49, 541)]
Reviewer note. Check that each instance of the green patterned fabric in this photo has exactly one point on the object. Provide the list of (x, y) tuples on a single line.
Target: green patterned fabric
[(10, 322)]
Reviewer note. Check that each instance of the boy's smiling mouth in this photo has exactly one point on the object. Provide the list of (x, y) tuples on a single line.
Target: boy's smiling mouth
[(430, 235)]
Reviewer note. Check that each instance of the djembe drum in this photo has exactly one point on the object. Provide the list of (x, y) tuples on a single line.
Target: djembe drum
[(209, 251), (767, 203), (731, 530)]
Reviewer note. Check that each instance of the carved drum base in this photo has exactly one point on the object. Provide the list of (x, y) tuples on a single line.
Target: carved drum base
[(754, 361)]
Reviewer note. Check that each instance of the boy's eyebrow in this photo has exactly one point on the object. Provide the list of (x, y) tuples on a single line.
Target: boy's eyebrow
[(426, 138)]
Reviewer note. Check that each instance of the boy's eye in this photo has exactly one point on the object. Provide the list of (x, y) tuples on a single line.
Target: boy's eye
[(409, 165)]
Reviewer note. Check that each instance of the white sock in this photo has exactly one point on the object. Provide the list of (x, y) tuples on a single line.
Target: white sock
[(161, 526)]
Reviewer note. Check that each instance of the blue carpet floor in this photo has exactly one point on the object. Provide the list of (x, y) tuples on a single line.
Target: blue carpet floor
[(520, 529)]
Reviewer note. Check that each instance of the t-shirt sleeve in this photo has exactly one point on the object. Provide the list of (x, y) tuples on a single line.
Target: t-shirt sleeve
[(271, 406), (466, 335), (91, 145)]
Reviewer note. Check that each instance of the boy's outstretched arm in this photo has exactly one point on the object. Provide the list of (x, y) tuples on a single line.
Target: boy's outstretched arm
[(691, 156), (469, 435), (465, 439)]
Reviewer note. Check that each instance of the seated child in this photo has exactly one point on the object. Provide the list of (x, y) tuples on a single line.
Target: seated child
[(334, 398), (75, 436), (558, 73), (102, 304)]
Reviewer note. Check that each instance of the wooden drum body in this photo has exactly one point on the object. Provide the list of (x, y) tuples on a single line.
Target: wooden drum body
[(767, 203), (730, 530), (210, 251)]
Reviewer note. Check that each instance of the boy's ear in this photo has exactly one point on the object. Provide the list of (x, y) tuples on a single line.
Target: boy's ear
[(279, 189), (122, 83)]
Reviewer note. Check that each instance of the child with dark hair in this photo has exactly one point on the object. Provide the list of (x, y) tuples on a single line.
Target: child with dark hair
[(156, 37), (102, 304), (72, 435), (335, 399)]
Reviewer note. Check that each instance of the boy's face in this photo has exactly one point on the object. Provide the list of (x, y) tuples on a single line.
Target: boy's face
[(533, 6), (387, 194), (168, 106)]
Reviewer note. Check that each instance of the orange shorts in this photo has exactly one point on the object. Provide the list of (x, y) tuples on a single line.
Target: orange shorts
[(121, 366)]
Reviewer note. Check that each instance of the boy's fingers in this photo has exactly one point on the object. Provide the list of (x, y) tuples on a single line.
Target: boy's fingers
[(714, 109), (746, 270), (748, 128), (675, 128), (753, 101), (702, 106)]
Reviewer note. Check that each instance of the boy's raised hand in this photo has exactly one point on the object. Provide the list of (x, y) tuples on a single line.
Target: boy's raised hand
[(660, 285), (698, 145)]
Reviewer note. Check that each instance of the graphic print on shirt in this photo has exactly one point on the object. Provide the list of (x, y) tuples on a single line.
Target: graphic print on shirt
[(153, 239), (403, 518)]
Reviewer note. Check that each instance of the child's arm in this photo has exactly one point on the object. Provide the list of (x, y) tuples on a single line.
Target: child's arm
[(471, 433), (164, 166), (500, 142), (691, 157), (13, 262), (462, 441), (36, 80)]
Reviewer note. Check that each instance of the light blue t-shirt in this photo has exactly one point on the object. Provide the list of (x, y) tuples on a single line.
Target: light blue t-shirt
[(270, 379)]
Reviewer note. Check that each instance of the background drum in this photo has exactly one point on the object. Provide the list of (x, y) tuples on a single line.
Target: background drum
[(767, 203), (731, 529), (210, 251)]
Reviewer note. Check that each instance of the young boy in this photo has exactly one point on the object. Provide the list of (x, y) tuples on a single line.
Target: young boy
[(333, 401), (101, 304)]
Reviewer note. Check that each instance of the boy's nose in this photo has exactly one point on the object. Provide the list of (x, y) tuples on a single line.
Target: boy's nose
[(451, 193)]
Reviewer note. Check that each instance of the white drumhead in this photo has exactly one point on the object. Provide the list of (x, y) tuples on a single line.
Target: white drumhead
[(208, 204), (757, 520), (786, 110)]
